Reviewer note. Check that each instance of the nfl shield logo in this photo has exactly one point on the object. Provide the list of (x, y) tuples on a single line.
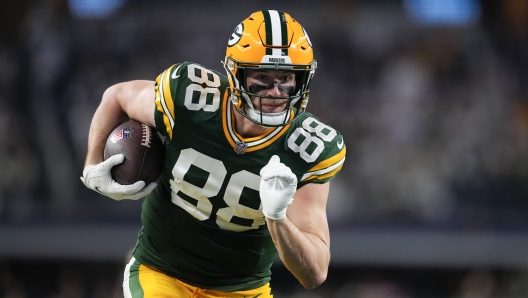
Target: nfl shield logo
[(127, 132), (240, 147), (124, 133)]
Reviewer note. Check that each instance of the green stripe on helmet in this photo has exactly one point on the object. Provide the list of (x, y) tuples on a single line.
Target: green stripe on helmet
[(269, 33), (284, 31)]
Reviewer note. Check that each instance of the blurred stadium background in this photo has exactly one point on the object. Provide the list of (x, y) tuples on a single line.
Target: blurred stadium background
[(430, 95)]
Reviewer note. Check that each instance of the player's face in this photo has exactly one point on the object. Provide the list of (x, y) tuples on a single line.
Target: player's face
[(272, 83)]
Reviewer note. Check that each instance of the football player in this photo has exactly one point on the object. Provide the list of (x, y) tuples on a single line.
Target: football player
[(246, 172)]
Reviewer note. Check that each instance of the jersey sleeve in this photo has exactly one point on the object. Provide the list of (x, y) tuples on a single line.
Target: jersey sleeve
[(329, 164), (166, 92)]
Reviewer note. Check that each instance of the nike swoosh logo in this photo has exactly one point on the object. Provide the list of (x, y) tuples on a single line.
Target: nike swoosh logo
[(340, 144), (174, 76), (97, 190)]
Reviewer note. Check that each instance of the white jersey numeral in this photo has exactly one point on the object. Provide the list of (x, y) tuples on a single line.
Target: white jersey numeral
[(200, 207), (196, 95), (310, 146)]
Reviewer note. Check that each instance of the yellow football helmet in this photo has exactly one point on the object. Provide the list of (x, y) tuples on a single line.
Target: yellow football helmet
[(274, 40)]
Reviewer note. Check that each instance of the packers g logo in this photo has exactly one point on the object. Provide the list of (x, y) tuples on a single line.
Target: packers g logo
[(235, 37)]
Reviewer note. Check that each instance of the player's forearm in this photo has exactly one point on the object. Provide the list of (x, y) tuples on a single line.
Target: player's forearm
[(305, 255), (107, 116)]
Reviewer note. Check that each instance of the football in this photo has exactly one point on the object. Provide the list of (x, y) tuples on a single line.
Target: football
[(143, 150)]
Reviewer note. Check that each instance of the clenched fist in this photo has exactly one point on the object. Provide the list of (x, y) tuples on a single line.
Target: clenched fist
[(277, 187)]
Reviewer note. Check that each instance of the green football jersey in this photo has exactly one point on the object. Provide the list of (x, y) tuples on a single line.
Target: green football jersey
[(204, 223)]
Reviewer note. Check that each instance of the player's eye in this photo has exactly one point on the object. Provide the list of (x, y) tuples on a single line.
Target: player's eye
[(287, 78)]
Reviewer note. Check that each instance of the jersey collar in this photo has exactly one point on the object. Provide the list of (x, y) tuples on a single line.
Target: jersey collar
[(254, 143)]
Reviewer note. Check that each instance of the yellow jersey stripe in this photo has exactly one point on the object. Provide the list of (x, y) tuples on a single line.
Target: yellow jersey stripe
[(263, 145), (324, 172), (159, 106), (225, 110), (248, 141), (321, 177), (254, 143), (328, 162), (167, 95), (164, 101)]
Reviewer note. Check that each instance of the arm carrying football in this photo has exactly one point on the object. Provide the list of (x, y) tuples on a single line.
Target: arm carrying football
[(120, 102)]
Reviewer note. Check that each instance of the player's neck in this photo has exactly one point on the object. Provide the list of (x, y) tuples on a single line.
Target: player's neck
[(247, 129)]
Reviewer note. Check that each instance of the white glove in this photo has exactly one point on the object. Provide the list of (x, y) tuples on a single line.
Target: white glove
[(99, 178), (277, 186)]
